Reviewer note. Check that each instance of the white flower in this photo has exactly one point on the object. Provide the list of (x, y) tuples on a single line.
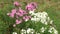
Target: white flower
[(29, 30), (52, 29), (45, 13), (35, 16), (23, 31), (38, 14), (14, 33), (31, 12), (35, 19), (43, 29), (51, 21), (43, 20), (48, 18), (46, 23), (26, 20), (55, 31)]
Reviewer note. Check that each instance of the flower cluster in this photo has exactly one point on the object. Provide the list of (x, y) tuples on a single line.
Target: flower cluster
[(43, 29), (52, 30), (20, 14), (29, 31), (39, 16)]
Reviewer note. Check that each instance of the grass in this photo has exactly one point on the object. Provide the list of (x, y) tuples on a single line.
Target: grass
[(52, 7)]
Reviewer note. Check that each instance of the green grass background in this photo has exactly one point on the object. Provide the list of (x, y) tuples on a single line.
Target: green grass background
[(52, 7)]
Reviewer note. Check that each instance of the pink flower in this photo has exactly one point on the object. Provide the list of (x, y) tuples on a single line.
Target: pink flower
[(31, 6), (18, 21), (29, 16), (26, 18), (19, 14), (22, 11), (14, 11), (16, 3), (34, 4), (11, 15)]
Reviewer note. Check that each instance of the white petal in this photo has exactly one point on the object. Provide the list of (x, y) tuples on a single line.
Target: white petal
[(14, 33)]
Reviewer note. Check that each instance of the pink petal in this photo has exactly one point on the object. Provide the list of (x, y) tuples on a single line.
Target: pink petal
[(34, 4), (26, 17), (16, 3), (19, 14), (29, 16), (22, 11), (18, 21), (14, 11), (11, 15), (31, 6)]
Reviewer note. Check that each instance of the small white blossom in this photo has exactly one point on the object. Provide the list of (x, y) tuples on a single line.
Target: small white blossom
[(46, 23), (51, 21), (55, 31), (14, 33), (52, 29), (26, 20), (35, 19), (31, 12), (45, 13), (48, 18), (29, 30), (43, 29), (23, 31)]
